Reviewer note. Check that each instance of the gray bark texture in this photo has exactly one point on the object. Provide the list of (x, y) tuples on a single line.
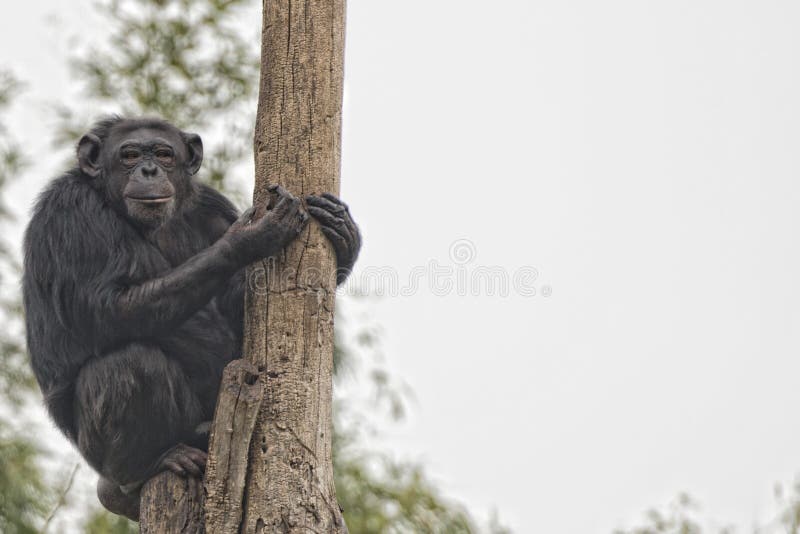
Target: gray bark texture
[(285, 481), (171, 505), (270, 463)]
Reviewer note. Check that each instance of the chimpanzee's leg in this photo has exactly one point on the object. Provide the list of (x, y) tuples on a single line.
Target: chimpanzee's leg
[(116, 501), (135, 410)]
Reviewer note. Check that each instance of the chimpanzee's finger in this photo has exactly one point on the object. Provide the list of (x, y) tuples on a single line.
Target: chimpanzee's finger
[(280, 209), (174, 467), (188, 465), (337, 241), (333, 198), (334, 207), (355, 245), (198, 457), (297, 220), (326, 218), (279, 190), (332, 204)]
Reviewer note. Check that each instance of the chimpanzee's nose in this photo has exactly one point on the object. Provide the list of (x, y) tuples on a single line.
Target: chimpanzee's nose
[(149, 168)]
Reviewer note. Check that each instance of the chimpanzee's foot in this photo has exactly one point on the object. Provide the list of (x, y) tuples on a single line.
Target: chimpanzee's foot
[(184, 460), (116, 501)]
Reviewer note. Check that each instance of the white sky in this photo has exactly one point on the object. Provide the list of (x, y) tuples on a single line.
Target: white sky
[(643, 156)]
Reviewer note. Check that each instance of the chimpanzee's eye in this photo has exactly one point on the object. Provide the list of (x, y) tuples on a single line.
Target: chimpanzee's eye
[(130, 155), (164, 155)]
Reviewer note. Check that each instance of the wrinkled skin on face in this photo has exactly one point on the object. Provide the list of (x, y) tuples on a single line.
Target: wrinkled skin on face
[(148, 170)]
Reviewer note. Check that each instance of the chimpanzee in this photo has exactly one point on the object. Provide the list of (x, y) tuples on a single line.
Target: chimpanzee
[(133, 291)]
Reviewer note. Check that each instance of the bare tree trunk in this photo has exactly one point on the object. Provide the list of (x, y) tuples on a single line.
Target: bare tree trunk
[(285, 481), (171, 505), (270, 467)]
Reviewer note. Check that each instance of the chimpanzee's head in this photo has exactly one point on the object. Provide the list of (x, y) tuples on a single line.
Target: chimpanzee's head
[(145, 166)]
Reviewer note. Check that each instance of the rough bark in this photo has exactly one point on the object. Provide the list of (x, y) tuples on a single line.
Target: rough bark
[(270, 467), (285, 484), (171, 505), (240, 397), (174, 505)]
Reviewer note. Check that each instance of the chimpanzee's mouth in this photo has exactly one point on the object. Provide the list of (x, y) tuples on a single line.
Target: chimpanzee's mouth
[(151, 201)]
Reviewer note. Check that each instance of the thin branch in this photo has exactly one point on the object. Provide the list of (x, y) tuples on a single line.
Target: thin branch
[(62, 498)]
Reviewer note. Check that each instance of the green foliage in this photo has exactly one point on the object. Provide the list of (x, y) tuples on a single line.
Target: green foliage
[(24, 498), (678, 519), (15, 376), (683, 516), (380, 495), (183, 60), (788, 500), (188, 62), (179, 59)]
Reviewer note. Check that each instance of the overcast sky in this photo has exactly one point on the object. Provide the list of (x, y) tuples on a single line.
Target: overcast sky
[(642, 156)]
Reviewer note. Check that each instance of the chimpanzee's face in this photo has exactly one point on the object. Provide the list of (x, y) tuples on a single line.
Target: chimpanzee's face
[(147, 167), (147, 170)]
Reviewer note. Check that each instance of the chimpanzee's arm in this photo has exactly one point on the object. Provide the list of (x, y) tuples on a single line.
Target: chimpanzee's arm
[(336, 223), (158, 305), (338, 226), (231, 302)]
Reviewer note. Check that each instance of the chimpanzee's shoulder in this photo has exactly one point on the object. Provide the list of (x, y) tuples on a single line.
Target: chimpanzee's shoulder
[(213, 203), (70, 214)]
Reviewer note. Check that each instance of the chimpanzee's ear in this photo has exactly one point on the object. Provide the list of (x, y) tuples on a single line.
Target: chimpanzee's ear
[(89, 155), (195, 147)]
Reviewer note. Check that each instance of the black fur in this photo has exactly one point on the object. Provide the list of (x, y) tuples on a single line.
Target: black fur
[(129, 326), (94, 364)]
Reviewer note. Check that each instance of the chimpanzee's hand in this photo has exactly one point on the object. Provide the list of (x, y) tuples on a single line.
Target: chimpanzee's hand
[(338, 226), (257, 239), (184, 460)]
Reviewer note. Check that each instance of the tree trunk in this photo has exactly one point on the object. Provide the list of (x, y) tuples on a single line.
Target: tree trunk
[(270, 467), (171, 505), (285, 482)]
